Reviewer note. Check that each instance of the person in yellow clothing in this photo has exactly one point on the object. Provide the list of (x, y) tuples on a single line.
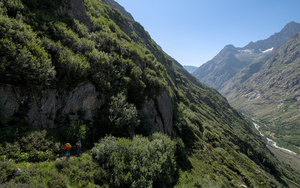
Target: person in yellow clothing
[(67, 147)]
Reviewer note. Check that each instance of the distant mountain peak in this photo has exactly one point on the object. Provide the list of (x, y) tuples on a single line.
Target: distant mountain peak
[(291, 24), (229, 47), (275, 40)]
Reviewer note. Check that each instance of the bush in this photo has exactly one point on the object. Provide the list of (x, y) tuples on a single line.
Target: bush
[(70, 67), (146, 124), (140, 162), (74, 132), (32, 146), (11, 7), (6, 171), (122, 116), (11, 150), (57, 181), (23, 60)]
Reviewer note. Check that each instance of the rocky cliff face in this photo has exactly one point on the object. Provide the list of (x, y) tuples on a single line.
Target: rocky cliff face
[(76, 10), (82, 103), (43, 111), (161, 112)]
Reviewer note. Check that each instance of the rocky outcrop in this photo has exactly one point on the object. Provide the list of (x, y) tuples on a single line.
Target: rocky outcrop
[(76, 10), (161, 112), (42, 111), (17, 173), (55, 106)]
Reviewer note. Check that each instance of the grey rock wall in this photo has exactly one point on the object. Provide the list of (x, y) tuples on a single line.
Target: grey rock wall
[(41, 111), (76, 10), (161, 112)]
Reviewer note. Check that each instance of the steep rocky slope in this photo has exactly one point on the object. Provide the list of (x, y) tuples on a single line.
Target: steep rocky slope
[(116, 5), (104, 75), (232, 60)]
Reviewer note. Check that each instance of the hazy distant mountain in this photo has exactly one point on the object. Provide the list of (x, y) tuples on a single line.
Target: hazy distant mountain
[(190, 68), (272, 94), (231, 60)]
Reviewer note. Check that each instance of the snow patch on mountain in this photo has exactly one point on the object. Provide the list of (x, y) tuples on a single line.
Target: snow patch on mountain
[(268, 50), (250, 51)]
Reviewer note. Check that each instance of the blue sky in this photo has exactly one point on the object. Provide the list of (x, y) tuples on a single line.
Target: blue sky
[(194, 31)]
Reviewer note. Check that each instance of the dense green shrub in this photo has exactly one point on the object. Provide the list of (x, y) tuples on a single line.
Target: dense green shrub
[(11, 7), (73, 132), (146, 125), (122, 116), (81, 171), (23, 60), (60, 32), (70, 67), (57, 181), (140, 162), (32, 146), (6, 171), (80, 29)]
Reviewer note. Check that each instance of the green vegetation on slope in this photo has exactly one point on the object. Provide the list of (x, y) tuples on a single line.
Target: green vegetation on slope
[(212, 144)]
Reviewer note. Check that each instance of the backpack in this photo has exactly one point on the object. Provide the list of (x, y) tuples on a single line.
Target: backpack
[(68, 146), (78, 145)]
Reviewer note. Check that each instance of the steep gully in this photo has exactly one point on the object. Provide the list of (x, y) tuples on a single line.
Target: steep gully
[(272, 142)]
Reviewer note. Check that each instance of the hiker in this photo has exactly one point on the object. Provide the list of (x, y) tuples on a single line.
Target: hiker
[(67, 147), (78, 145)]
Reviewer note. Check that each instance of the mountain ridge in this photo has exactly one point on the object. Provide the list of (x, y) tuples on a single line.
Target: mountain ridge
[(224, 66), (276, 39)]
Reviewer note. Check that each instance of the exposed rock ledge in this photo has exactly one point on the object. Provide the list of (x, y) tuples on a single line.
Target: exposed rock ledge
[(42, 111)]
